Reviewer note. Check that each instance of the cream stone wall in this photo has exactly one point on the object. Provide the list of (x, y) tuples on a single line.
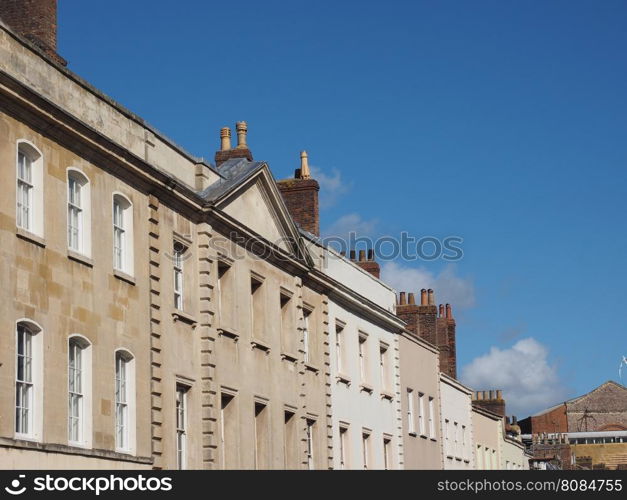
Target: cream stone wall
[(269, 367), (99, 112), (64, 295)]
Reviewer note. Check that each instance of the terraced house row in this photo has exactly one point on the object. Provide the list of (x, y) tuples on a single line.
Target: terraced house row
[(160, 311)]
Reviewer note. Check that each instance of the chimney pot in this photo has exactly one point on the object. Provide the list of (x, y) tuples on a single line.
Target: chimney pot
[(449, 312), (423, 297), (371, 254), (499, 394), (402, 299), (491, 394), (362, 255), (412, 299), (242, 129), (352, 255), (430, 297), (343, 253), (304, 166), (479, 395), (441, 310), (225, 139)]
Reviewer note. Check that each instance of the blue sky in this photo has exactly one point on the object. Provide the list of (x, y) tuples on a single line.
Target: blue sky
[(501, 122)]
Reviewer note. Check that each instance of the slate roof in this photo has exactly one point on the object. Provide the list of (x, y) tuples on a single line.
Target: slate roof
[(233, 173)]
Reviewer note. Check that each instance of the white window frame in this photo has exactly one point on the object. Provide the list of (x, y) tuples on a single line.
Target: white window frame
[(307, 312), (431, 418), (79, 212), (388, 459), (365, 448), (310, 435), (79, 388), (339, 346), (362, 340), (182, 412), (125, 402), (178, 257), (383, 365), (122, 225), (29, 203), (421, 414), (344, 446), (29, 380), (411, 424)]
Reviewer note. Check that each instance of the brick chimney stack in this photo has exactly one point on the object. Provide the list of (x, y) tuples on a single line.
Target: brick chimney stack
[(490, 400), (421, 318), (432, 323), (370, 265), (36, 21), (301, 197), (226, 151), (446, 331)]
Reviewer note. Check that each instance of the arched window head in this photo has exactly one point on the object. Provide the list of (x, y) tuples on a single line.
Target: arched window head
[(29, 214), (122, 234), (78, 212)]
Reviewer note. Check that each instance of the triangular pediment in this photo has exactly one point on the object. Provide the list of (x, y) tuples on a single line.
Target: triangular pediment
[(257, 206)]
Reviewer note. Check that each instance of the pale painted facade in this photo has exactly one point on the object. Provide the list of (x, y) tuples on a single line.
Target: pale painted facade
[(420, 403), (364, 355), (456, 424), (487, 439)]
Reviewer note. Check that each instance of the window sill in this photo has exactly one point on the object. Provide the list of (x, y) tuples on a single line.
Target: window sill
[(466, 461), (80, 258), (26, 235), (343, 379), (261, 345), (434, 440), (124, 277), (28, 438), (26, 444), (458, 459), (387, 395), (229, 334), (413, 434), (288, 356), (312, 368), (366, 388), (183, 317), (424, 436)]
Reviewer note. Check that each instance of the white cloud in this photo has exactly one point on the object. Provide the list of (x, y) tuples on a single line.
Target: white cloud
[(331, 186), (529, 381), (449, 287), (351, 223)]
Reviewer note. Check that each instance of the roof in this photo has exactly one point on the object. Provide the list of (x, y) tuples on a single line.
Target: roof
[(233, 173), (547, 410)]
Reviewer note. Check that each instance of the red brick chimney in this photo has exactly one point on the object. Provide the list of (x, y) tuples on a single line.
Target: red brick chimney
[(368, 264), (36, 21), (421, 318), (240, 151), (301, 197), (445, 328)]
